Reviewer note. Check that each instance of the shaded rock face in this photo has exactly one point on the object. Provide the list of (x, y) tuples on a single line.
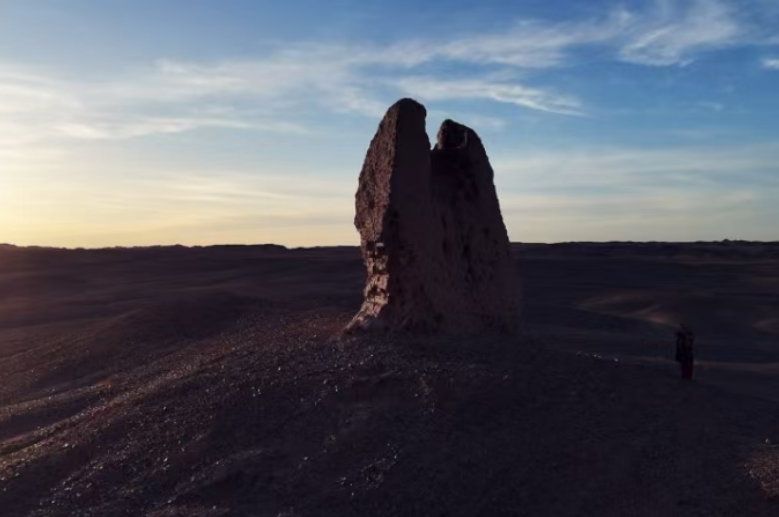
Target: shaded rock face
[(432, 235)]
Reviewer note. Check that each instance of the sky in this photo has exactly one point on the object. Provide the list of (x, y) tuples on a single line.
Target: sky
[(141, 122)]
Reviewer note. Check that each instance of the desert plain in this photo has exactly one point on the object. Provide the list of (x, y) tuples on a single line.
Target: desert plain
[(214, 381)]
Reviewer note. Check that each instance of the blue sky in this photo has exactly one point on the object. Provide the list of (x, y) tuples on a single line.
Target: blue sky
[(236, 121)]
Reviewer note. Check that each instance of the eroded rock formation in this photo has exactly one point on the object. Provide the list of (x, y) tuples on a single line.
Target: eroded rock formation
[(432, 235)]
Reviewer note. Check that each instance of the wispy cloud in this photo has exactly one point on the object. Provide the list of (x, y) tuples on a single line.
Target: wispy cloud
[(641, 194), (533, 44), (694, 167), (39, 108), (656, 33), (771, 63), (677, 32), (432, 89), (130, 128)]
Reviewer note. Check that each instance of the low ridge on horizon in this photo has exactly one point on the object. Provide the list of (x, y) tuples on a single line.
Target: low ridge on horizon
[(356, 246)]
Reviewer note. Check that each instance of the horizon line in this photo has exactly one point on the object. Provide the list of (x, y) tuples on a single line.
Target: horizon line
[(6, 246)]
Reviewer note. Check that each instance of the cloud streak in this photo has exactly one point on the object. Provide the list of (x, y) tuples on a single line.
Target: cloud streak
[(616, 170), (432, 89), (671, 35), (771, 63), (684, 193)]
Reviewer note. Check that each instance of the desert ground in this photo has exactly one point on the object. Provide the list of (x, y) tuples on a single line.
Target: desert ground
[(212, 381)]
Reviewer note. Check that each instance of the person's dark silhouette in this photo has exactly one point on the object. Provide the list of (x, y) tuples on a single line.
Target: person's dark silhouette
[(685, 352)]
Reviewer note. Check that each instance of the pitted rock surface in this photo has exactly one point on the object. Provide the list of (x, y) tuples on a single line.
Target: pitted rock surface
[(432, 235)]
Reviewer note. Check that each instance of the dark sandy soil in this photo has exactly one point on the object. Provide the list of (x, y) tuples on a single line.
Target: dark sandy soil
[(206, 382)]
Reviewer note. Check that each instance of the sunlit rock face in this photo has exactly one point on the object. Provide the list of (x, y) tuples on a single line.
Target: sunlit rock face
[(432, 235)]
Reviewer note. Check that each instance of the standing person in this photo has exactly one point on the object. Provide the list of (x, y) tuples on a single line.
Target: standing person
[(685, 340)]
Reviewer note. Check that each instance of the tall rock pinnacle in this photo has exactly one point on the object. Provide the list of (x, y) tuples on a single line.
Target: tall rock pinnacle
[(431, 231)]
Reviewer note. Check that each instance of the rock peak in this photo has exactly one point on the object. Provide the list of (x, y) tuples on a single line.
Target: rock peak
[(452, 135), (408, 105)]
